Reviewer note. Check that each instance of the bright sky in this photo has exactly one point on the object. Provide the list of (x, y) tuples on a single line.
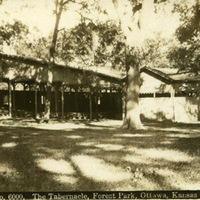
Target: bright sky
[(36, 13), (164, 22), (39, 13)]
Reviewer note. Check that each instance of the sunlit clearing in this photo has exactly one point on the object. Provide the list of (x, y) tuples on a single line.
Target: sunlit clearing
[(109, 147), (166, 142), (58, 154), (107, 123), (181, 135), (73, 136), (4, 117), (137, 159), (9, 145), (14, 137), (164, 172), (7, 170), (165, 154), (65, 179), (131, 135), (89, 151), (56, 166), (175, 179), (62, 126), (87, 144), (35, 133), (143, 184), (170, 155), (178, 130), (98, 170), (183, 183)]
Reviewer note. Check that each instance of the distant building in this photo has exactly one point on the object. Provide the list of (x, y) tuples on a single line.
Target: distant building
[(167, 94), (78, 93)]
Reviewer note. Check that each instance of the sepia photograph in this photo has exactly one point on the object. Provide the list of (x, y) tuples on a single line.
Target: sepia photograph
[(100, 95)]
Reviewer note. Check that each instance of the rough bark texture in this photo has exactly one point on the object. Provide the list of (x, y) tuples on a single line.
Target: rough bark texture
[(132, 117), (132, 113)]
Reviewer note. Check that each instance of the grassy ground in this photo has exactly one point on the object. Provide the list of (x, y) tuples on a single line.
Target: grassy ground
[(97, 156)]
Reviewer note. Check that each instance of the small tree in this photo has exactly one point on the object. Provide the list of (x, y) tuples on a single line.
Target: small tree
[(59, 6)]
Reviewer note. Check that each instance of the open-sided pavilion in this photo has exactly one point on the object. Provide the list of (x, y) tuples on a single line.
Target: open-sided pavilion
[(76, 92)]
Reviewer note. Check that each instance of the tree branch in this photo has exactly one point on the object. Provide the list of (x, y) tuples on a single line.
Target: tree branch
[(84, 17), (61, 29), (68, 1)]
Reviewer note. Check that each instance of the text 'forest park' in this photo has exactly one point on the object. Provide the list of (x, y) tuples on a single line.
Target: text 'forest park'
[(115, 195)]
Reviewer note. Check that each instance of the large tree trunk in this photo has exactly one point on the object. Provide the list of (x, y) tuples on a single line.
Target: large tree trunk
[(132, 113)]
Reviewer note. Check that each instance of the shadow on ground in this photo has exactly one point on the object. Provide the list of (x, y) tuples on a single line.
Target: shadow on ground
[(98, 156)]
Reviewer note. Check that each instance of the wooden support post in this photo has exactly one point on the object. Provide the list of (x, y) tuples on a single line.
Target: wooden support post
[(76, 99), (97, 105), (24, 97), (173, 105), (10, 98), (56, 99), (36, 105), (13, 100), (90, 104), (123, 101), (62, 100), (198, 98)]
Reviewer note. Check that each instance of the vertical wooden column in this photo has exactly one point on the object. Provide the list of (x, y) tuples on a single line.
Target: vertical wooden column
[(76, 99), (24, 97), (62, 100), (123, 101), (90, 103), (123, 106), (13, 100), (9, 98), (198, 99), (36, 104), (56, 99), (111, 111), (97, 103), (173, 104)]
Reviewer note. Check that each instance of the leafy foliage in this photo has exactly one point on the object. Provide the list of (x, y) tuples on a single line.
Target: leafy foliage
[(92, 45), (111, 50), (10, 33), (190, 17), (186, 54)]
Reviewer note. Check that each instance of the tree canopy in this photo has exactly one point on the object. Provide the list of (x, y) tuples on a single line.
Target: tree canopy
[(186, 54), (101, 24)]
